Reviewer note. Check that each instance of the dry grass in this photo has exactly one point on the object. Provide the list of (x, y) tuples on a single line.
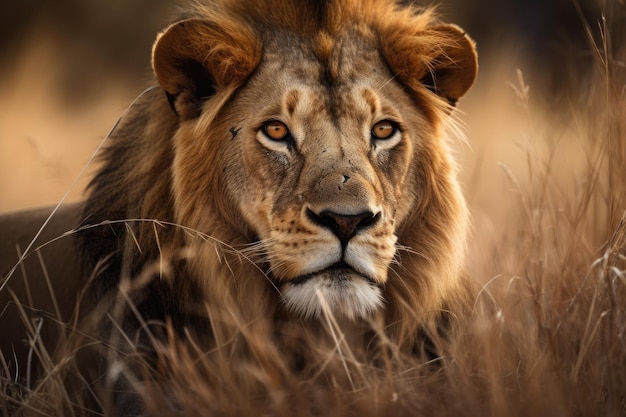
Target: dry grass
[(546, 335)]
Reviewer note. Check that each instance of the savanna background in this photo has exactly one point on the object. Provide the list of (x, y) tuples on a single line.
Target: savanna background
[(543, 170)]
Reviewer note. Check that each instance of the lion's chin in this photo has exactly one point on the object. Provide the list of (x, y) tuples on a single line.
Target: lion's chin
[(342, 293)]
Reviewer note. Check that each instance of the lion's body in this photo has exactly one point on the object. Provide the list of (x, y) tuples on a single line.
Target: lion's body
[(260, 160)]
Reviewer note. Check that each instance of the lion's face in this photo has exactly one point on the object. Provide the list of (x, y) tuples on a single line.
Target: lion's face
[(328, 175), (318, 157)]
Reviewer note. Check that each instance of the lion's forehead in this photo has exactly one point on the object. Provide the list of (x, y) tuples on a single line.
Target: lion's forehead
[(343, 111)]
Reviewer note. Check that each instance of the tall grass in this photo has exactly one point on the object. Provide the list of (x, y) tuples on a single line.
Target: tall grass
[(546, 335)]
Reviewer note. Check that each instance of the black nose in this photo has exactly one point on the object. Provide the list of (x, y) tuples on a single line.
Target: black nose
[(344, 226)]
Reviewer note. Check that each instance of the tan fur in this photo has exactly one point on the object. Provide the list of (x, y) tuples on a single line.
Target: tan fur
[(329, 71)]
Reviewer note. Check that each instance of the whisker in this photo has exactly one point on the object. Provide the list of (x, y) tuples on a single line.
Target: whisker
[(410, 250)]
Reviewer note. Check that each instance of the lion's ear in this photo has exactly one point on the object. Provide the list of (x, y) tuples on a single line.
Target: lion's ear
[(193, 59), (442, 58)]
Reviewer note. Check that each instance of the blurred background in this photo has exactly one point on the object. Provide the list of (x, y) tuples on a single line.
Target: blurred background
[(69, 68)]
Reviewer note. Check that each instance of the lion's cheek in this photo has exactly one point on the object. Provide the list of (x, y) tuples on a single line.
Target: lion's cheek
[(261, 174), (256, 209), (395, 172)]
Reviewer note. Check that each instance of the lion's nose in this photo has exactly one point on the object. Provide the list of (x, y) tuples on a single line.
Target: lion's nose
[(344, 226)]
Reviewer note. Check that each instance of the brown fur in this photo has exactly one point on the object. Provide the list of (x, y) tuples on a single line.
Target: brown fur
[(192, 156)]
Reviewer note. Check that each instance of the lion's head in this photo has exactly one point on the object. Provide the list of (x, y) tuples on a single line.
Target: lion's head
[(310, 133)]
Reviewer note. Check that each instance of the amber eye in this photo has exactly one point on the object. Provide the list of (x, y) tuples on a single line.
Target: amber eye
[(384, 129), (276, 130)]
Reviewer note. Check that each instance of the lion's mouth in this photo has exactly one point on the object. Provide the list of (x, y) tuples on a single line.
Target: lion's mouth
[(339, 271), (337, 289)]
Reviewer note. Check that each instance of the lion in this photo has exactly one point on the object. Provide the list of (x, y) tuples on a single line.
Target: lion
[(291, 158)]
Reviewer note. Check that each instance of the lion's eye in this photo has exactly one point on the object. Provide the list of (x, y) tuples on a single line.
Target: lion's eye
[(276, 130), (384, 130)]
